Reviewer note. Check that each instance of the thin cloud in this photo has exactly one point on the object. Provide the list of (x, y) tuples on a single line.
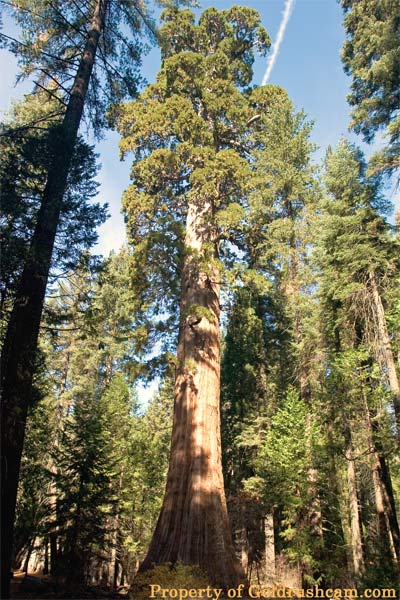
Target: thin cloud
[(287, 11)]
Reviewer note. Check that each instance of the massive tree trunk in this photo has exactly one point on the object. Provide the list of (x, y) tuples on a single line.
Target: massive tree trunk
[(193, 526), (19, 351)]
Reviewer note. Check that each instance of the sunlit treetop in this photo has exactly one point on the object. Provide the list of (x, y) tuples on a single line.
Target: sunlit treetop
[(191, 133), (371, 55)]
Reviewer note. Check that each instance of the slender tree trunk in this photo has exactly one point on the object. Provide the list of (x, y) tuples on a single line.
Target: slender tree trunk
[(354, 506), (332, 513), (244, 547), (386, 356), (356, 539), (46, 557), (293, 293), (116, 571), (115, 535), (193, 526), (385, 535), (19, 351), (390, 504), (53, 553), (385, 538), (112, 562), (270, 568), (383, 491), (27, 558)]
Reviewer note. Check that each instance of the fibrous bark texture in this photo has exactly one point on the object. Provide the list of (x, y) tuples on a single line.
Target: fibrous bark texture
[(193, 526)]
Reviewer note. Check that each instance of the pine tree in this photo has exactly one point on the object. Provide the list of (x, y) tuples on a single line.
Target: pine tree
[(279, 233), (103, 465), (282, 465), (33, 508), (25, 161), (84, 494), (88, 341), (244, 399), (145, 479), (355, 247), (371, 55), (62, 44), (283, 197), (359, 252)]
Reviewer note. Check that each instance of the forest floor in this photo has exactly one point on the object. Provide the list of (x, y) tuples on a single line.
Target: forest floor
[(35, 586)]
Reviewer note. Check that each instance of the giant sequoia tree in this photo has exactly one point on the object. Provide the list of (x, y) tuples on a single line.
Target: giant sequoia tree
[(189, 131)]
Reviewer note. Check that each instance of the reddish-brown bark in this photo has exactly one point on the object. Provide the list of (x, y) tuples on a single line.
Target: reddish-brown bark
[(193, 526)]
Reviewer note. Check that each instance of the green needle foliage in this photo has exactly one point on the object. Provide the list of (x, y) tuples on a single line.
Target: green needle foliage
[(189, 133), (94, 463), (282, 465), (223, 194), (358, 257), (371, 55), (26, 156), (53, 36), (356, 241)]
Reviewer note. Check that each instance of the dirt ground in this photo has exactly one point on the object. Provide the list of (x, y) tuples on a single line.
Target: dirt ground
[(40, 587)]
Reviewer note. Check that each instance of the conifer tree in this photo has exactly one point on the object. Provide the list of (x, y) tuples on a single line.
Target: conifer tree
[(282, 468), (102, 468), (280, 226), (189, 134), (357, 252), (244, 399), (63, 43), (33, 508), (26, 157), (84, 493), (282, 202), (360, 253), (371, 55)]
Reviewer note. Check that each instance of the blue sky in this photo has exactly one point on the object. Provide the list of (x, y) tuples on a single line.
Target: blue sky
[(308, 66)]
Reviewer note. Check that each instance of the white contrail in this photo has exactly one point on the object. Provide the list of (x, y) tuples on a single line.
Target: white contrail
[(287, 11)]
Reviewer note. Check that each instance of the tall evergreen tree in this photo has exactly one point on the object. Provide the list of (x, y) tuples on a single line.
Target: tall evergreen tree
[(84, 493), (26, 158), (62, 43), (357, 254), (102, 467), (283, 199), (244, 399), (371, 55), (360, 253), (188, 130), (278, 234)]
